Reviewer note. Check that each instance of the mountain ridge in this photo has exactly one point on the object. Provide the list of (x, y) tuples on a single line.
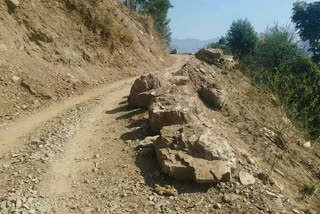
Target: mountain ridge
[(190, 45)]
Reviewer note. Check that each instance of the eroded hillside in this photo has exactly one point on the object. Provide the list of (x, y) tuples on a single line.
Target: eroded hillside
[(53, 49)]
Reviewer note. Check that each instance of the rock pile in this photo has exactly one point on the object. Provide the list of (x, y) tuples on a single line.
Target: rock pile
[(188, 147)]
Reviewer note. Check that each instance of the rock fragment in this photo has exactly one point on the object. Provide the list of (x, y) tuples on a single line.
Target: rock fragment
[(246, 178)]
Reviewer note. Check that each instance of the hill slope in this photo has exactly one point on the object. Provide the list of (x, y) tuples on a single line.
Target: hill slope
[(53, 49)]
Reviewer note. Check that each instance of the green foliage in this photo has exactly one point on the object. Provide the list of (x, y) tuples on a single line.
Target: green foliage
[(307, 212), (95, 2), (307, 21), (222, 44), (276, 47), (158, 10), (278, 64), (308, 189), (242, 38), (298, 87)]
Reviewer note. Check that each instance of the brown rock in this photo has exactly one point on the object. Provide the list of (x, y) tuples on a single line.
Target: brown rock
[(170, 109), (212, 96), (228, 198), (246, 178), (221, 171), (196, 140), (182, 166), (191, 152), (209, 55), (142, 85), (179, 80)]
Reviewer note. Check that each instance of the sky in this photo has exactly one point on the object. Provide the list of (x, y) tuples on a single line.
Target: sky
[(207, 19)]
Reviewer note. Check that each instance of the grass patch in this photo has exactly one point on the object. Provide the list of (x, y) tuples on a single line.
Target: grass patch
[(308, 189), (95, 2), (307, 212)]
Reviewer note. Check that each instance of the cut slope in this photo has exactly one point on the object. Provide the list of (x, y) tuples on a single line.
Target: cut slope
[(52, 49)]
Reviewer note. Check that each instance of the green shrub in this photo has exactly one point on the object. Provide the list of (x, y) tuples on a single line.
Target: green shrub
[(95, 2), (276, 47), (242, 38), (308, 189), (277, 63), (307, 212)]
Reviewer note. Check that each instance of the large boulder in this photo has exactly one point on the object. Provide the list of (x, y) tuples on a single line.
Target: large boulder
[(212, 96), (174, 51), (182, 166), (209, 55), (199, 74), (138, 97), (171, 109), (192, 152)]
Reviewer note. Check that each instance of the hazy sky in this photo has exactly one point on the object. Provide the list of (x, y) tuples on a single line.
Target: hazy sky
[(206, 19)]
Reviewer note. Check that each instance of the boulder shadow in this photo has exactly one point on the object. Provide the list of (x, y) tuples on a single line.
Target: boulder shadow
[(140, 129)]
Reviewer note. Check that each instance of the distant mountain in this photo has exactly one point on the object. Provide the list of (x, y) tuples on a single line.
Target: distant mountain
[(190, 45)]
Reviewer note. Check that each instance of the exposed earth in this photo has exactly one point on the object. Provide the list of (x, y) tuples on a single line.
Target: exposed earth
[(82, 132), (79, 156)]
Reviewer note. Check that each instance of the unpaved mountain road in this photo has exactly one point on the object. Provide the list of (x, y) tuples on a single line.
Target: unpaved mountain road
[(71, 157)]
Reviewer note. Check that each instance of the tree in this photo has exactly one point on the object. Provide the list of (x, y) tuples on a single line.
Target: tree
[(242, 38), (158, 10), (307, 21), (276, 47)]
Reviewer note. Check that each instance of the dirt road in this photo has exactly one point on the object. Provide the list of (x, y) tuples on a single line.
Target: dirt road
[(73, 157)]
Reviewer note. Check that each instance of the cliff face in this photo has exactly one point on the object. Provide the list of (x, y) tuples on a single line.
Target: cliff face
[(52, 49)]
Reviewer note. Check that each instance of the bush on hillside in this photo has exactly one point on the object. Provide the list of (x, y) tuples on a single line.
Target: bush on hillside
[(278, 64), (276, 47)]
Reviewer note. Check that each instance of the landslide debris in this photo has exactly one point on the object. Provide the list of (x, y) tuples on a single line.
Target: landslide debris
[(210, 125)]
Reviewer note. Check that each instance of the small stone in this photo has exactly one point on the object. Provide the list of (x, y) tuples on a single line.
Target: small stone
[(3, 205), (228, 198), (96, 156), (88, 211), (25, 206), (217, 206), (32, 211), (270, 193), (295, 211), (24, 107), (307, 145), (15, 79), (18, 203), (128, 141), (246, 178), (36, 102)]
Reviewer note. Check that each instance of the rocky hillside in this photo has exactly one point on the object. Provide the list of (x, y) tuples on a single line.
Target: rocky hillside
[(210, 125), (52, 49)]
